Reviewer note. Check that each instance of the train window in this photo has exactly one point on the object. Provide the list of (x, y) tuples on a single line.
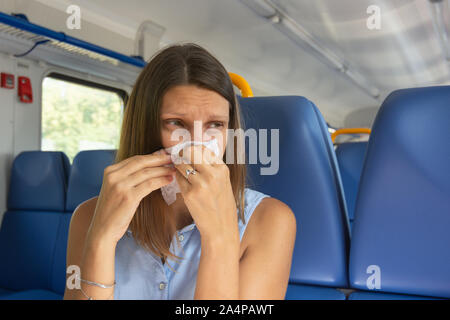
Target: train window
[(78, 115)]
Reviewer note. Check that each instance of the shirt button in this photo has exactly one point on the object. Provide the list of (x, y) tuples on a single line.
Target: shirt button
[(162, 285), (181, 237)]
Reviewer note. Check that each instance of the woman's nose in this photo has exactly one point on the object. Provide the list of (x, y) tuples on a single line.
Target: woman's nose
[(200, 136)]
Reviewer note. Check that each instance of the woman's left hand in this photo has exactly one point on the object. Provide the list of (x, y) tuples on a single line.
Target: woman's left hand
[(208, 194)]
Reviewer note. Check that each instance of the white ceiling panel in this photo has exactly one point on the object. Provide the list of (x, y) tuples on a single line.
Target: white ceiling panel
[(405, 52)]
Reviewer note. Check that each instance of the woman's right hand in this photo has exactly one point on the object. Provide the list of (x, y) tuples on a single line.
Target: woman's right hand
[(125, 184)]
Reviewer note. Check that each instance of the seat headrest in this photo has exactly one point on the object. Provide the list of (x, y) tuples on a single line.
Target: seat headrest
[(402, 217), (86, 176), (307, 180), (39, 181)]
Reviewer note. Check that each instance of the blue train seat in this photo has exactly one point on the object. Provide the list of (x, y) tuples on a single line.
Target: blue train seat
[(308, 180), (350, 157), (32, 241), (54, 191), (400, 240), (86, 176)]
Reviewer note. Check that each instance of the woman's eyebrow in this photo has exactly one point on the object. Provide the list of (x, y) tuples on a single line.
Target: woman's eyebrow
[(174, 113), (212, 116), (218, 117)]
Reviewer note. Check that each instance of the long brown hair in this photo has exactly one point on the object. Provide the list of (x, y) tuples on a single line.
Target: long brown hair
[(180, 64)]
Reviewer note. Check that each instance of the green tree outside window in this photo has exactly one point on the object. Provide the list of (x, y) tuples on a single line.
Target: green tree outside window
[(77, 117)]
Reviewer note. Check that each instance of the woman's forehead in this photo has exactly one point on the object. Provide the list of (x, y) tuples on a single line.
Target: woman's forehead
[(183, 100)]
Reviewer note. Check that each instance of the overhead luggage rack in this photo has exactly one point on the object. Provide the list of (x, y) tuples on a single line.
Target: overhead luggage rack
[(19, 29)]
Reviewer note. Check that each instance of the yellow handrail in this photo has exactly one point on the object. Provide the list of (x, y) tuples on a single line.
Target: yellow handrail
[(242, 84), (349, 131)]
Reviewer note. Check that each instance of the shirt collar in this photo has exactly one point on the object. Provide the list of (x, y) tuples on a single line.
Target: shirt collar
[(187, 228)]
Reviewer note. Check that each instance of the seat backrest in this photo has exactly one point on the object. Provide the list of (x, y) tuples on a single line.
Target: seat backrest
[(307, 180), (58, 283), (350, 157), (86, 176), (33, 223), (401, 229), (34, 174)]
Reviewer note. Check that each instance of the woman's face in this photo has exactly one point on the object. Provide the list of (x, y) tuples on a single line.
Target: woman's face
[(199, 113)]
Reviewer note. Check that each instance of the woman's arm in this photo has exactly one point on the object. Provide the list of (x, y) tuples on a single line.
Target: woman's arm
[(265, 266), (218, 271), (97, 225), (94, 256), (263, 271)]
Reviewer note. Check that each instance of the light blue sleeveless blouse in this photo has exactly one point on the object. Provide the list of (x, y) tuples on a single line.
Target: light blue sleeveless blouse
[(140, 274)]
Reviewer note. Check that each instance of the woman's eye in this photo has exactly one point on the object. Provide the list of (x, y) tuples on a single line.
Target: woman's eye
[(217, 124), (174, 122)]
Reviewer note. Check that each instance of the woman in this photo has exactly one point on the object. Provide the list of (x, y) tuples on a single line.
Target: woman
[(123, 239)]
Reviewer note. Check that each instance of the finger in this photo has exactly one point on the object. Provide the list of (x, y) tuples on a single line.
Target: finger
[(211, 157), (150, 185), (182, 182), (141, 161), (182, 167), (207, 155), (191, 154), (148, 173), (198, 156), (121, 164)]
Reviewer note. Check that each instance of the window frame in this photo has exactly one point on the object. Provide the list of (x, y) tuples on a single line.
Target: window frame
[(64, 77), (122, 94)]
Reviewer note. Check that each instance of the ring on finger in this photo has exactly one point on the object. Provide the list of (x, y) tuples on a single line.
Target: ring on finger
[(189, 172)]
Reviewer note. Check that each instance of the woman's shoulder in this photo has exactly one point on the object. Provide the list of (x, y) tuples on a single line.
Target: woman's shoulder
[(264, 204), (85, 210), (81, 220), (267, 208), (271, 218)]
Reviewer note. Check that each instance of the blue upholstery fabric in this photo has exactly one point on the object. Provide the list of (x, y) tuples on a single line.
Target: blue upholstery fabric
[(384, 296), (34, 229), (307, 180), (32, 295), (402, 217), (300, 292), (39, 181), (350, 157), (4, 292), (27, 243), (87, 176), (58, 276)]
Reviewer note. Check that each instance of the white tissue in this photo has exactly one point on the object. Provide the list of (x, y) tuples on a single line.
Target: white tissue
[(169, 192)]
